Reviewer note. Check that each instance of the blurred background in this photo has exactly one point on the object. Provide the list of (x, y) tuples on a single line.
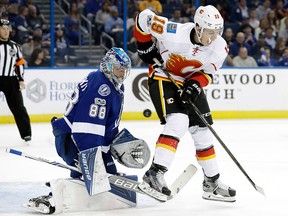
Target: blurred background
[(69, 33)]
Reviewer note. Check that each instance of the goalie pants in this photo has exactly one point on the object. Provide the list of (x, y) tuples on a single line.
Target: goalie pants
[(68, 151)]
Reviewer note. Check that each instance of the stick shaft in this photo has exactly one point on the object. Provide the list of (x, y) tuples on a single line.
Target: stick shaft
[(54, 163)]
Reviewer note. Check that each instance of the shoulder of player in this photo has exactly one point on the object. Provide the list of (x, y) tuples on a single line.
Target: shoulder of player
[(220, 42), (219, 45), (100, 84)]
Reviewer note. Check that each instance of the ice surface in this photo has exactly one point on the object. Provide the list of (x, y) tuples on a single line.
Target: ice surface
[(260, 146)]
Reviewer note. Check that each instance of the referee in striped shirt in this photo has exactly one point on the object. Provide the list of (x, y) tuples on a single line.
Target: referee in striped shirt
[(11, 79)]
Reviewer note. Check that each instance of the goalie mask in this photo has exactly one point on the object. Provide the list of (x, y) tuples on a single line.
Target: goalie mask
[(116, 66), (130, 151)]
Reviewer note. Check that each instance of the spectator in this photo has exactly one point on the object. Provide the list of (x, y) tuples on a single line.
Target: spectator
[(114, 26), (33, 19), (241, 12), (249, 35), (21, 24), (262, 27), (283, 32), (270, 37), (153, 5), (253, 3), (283, 61), (265, 59), (243, 60), (224, 9), (73, 18), (235, 46), (279, 48), (33, 43), (132, 6), (27, 3), (45, 39), (263, 9), (73, 36), (186, 8), (280, 11), (273, 21), (91, 7), (101, 17), (62, 47), (38, 59), (229, 36), (253, 21), (259, 46), (177, 16)]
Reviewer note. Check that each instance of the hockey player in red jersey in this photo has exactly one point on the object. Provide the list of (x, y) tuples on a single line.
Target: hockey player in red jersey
[(191, 53)]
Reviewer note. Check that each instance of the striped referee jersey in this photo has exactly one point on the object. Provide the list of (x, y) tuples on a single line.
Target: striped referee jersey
[(11, 60)]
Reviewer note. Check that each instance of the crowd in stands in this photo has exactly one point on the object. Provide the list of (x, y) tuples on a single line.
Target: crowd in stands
[(256, 31)]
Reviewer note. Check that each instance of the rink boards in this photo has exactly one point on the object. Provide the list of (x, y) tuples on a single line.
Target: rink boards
[(233, 93)]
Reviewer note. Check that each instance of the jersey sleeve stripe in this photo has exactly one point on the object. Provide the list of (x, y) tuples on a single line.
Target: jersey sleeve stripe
[(20, 62), (140, 35)]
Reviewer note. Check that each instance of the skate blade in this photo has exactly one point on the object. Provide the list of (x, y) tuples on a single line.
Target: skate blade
[(213, 197), (144, 187)]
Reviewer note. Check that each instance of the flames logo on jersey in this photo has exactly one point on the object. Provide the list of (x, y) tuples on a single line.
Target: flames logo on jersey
[(179, 65)]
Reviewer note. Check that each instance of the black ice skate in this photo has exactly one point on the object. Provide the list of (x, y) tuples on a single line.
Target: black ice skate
[(43, 204), (214, 189)]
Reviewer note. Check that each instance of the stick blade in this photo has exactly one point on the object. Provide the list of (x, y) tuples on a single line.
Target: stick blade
[(260, 190), (182, 180)]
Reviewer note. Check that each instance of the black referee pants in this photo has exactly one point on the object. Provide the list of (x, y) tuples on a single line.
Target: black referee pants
[(10, 87)]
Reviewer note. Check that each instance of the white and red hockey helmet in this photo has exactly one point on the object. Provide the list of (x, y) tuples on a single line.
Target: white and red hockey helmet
[(208, 17)]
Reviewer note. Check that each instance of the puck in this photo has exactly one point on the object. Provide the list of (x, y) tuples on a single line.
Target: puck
[(147, 113)]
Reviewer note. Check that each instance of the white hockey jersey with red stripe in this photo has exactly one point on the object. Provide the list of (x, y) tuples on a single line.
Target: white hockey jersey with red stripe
[(183, 59)]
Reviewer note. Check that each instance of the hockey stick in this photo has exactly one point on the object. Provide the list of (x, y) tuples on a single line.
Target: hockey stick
[(120, 181), (257, 188)]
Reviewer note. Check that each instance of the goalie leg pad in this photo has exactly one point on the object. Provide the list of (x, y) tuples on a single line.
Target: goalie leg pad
[(130, 151), (93, 170), (70, 195)]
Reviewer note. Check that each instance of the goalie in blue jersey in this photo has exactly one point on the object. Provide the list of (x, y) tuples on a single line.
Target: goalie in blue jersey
[(93, 113), (87, 137)]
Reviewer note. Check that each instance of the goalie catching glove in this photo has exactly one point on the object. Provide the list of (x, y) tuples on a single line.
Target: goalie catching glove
[(130, 151)]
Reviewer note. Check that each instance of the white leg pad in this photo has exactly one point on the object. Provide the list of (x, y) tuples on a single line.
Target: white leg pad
[(70, 195)]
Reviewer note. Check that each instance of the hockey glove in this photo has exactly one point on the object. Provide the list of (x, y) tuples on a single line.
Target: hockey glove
[(148, 51), (190, 91)]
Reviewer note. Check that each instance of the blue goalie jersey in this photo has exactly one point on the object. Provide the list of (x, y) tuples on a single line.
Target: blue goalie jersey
[(93, 113)]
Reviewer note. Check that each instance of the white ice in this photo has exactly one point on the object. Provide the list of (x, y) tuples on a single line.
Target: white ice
[(260, 146)]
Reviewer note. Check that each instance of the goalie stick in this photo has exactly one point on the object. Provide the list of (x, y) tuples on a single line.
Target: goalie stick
[(123, 182), (199, 114)]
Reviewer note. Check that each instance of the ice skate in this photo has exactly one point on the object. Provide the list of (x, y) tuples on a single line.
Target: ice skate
[(43, 204), (155, 178), (214, 189)]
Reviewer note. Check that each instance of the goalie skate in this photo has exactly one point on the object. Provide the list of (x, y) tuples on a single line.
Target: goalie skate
[(42, 204), (217, 191)]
